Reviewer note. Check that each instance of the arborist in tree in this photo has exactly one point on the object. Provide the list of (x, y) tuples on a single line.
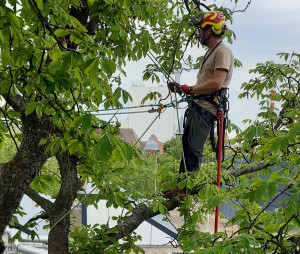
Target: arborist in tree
[(212, 81)]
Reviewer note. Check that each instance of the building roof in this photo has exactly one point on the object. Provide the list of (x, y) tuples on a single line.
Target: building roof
[(160, 144), (128, 135)]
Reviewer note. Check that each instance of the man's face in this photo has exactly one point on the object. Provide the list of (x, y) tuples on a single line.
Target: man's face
[(203, 34)]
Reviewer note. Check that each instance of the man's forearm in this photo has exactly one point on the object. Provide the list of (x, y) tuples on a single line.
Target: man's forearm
[(208, 87)]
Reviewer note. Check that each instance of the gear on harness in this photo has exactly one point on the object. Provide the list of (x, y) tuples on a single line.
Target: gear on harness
[(217, 98), (220, 100)]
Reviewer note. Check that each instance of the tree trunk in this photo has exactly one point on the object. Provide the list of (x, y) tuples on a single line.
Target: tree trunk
[(17, 175), (59, 236), (58, 241)]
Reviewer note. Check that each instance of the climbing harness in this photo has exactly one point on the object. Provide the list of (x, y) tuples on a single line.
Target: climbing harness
[(220, 100)]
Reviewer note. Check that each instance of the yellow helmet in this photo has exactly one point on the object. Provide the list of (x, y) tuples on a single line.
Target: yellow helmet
[(215, 19)]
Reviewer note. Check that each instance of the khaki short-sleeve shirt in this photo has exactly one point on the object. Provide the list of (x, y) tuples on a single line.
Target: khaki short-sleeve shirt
[(220, 58)]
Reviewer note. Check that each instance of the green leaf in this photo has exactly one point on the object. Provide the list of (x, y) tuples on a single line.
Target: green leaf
[(91, 66), (73, 147), (39, 110), (284, 143), (50, 89), (113, 230), (30, 107), (76, 24), (126, 96), (126, 4), (62, 32), (215, 201), (272, 189), (76, 37), (182, 184), (118, 200), (86, 122), (103, 149), (291, 206), (108, 66), (66, 63), (42, 142), (110, 201), (260, 191), (190, 184), (161, 208), (294, 131), (276, 145), (5, 86), (40, 4), (155, 207)]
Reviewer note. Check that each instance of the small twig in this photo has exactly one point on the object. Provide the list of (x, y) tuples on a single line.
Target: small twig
[(248, 4), (8, 127)]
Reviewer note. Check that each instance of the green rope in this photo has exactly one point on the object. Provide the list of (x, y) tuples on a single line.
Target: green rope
[(147, 129), (71, 210), (178, 122)]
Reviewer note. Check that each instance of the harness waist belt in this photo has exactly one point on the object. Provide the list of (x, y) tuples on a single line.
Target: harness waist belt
[(210, 97)]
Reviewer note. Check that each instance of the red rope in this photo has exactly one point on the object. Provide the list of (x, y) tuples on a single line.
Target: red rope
[(220, 141)]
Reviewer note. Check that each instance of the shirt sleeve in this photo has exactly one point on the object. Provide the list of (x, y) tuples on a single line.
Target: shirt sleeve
[(223, 59)]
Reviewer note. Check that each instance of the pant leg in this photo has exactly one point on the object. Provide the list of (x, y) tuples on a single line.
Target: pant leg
[(185, 146), (196, 131), (185, 139)]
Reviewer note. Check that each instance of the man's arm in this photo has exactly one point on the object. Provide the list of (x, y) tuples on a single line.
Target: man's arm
[(213, 84)]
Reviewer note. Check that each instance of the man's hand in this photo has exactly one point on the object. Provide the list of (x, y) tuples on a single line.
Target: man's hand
[(174, 86), (186, 89)]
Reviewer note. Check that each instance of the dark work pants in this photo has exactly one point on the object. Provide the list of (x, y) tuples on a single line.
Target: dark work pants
[(198, 123)]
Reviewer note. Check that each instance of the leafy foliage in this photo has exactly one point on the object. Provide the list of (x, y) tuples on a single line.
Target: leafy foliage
[(60, 60)]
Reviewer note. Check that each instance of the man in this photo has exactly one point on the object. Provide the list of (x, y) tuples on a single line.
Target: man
[(214, 75)]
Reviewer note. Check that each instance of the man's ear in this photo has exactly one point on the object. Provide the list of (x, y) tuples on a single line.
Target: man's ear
[(210, 31)]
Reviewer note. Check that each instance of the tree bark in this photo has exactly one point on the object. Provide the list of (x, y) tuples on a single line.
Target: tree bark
[(250, 169), (60, 210), (17, 175)]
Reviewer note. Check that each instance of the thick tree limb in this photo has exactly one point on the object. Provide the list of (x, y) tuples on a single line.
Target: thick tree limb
[(59, 215), (16, 102), (42, 202), (143, 212), (250, 169), (139, 215), (18, 173), (92, 24)]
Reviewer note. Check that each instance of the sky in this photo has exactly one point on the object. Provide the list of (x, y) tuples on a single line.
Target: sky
[(267, 27)]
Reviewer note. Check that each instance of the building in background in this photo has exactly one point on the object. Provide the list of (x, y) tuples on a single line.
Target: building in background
[(128, 135)]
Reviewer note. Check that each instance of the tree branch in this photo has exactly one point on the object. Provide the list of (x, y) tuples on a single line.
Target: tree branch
[(42, 202), (248, 4), (92, 24), (139, 214), (186, 2), (250, 169), (16, 102)]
